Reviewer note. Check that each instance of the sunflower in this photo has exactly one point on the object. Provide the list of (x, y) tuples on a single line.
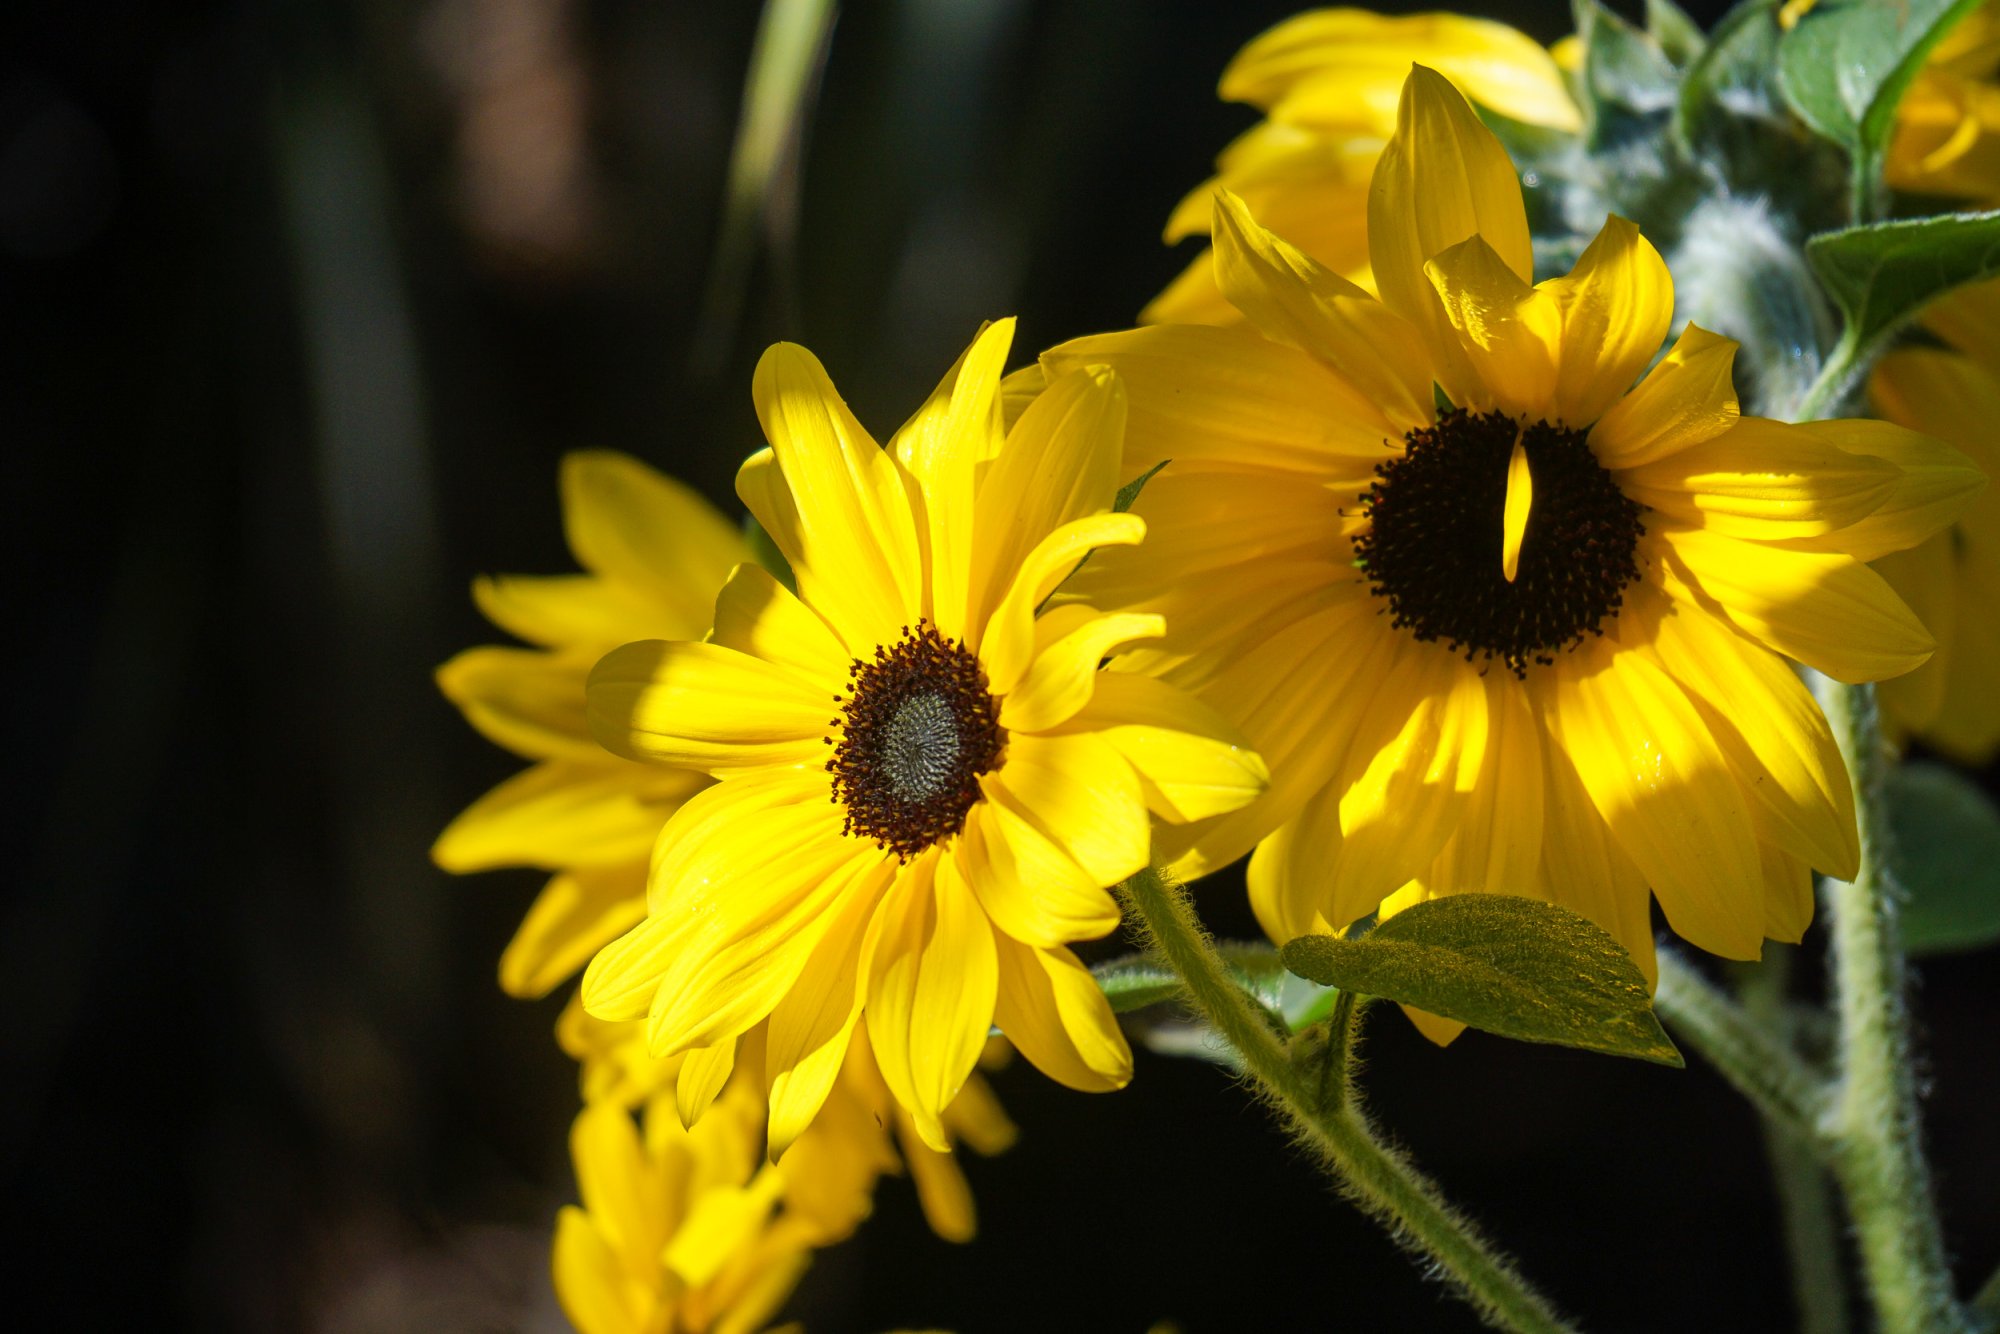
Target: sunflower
[(681, 1231), (927, 783), (1953, 579), (654, 553), (1327, 81), (1533, 642), (1947, 136)]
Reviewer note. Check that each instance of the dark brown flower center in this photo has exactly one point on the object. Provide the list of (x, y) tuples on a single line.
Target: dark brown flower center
[(917, 728), (1432, 549)]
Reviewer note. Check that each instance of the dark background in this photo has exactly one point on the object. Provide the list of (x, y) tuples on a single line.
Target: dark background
[(302, 304)]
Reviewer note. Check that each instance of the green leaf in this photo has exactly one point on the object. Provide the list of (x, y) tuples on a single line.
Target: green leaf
[(1846, 64), (1517, 967), (1134, 981), (1678, 36), (1881, 275), (1948, 851), (1625, 77), (1129, 493)]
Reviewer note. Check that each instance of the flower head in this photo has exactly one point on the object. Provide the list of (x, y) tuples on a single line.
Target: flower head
[(927, 783), (1532, 643), (1327, 81), (1953, 580)]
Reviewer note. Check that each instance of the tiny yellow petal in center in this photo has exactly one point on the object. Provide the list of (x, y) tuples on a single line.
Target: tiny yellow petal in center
[(1514, 519)]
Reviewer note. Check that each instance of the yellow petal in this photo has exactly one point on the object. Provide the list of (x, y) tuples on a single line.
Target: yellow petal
[(614, 1179), (1588, 872), (1207, 397), (1686, 399), (1442, 178), (1830, 612), (1082, 794), (576, 914), (1497, 846), (811, 1027), (1764, 480), (1775, 736), (1192, 763), (721, 1225), (942, 1192), (648, 532), (1294, 299), (1007, 642), (1298, 699), (957, 988), (1495, 65), (1060, 680), (1051, 1008), (1616, 304), (857, 559), (1192, 297), (529, 701), (566, 813), (757, 615), (958, 427), (1661, 783), (1435, 1027), (1514, 514), (1788, 895), (702, 1075), (585, 610), (596, 1293), (1508, 332), (704, 706), (1926, 578), (1059, 465), (1032, 889), (1415, 760), (1288, 876), (729, 859)]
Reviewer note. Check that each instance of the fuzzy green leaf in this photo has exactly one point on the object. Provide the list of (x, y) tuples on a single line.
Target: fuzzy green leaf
[(1679, 37), (1133, 982), (1513, 966), (1881, 275), (1948, 851), (1625, 73), (1846, 64)]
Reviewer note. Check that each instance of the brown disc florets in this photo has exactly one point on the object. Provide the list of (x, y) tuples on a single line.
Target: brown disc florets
[(1432, 547), (917, 728)]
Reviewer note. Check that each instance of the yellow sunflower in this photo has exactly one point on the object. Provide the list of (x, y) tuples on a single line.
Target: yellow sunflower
[(927, 784), (681, 1231), (1953, 580), (1947, 136), (654, 553), (1326, 81), (1536, 643)]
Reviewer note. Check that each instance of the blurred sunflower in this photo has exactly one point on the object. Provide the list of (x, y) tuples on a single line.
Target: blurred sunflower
[(1953, 580), (681, 1231), (654, 552), (1327, 82), (1532, 643), (1947, 136), (927, 782)]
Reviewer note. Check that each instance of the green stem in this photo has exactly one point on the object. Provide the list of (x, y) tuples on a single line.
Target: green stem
[(1766, 1072), (1877, 1136), (1810, 1211), (1838, 375), (1376, 1177)]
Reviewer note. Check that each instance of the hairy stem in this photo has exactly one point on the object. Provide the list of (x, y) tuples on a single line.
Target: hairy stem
[(1763, 1069), (1877, 1136), (1375, 1176), (1811, 1213)]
